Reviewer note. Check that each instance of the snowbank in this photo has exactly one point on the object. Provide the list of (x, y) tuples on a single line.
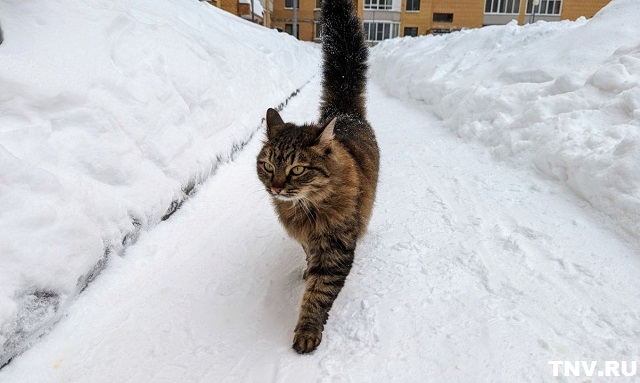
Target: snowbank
[(538, 95), (110, 111)]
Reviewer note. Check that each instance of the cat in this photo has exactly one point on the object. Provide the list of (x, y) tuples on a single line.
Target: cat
[(323, 177)]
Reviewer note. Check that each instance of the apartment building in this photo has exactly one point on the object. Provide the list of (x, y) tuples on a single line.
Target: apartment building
[(384, 19), (243, 8)]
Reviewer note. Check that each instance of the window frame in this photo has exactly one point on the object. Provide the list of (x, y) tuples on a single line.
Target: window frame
[(291, 7), (392, 27), (291, 33), (556, 10), (413, 2), (444, 20), (404, 32), (317, 30), (378, 5), (496, 7)]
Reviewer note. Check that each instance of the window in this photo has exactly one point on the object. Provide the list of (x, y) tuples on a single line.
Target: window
[(318, 4), (413, 5), (377, 4), (289, 29), (546, 7), (317, 30), (378, 31), (443, 17), (440, 31), (411, 31), (289, 4), (502, 6)]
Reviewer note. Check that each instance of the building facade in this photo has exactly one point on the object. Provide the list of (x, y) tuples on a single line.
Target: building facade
[(243, 8), (384, 19)]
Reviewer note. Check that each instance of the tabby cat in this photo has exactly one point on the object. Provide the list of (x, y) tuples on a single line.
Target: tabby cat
[(323, 177)]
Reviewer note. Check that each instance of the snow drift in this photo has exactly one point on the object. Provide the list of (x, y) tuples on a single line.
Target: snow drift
[(562, 97), (110, 112)]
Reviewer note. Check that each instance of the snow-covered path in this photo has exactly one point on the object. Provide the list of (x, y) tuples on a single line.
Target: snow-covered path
[(471, 271)]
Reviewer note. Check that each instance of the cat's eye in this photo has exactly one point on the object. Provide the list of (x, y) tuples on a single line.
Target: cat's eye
[(297, 170), (268, 167)]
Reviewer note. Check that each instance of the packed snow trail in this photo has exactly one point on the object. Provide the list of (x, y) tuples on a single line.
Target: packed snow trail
[(471, 271)]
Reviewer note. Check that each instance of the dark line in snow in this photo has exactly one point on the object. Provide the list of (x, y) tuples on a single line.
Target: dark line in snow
[(48, 307), (236, 148)]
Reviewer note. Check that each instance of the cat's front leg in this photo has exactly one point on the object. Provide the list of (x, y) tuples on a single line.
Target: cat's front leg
[(306, 269), (326, 275)]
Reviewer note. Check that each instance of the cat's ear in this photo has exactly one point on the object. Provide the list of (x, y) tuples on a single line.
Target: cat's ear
[(327, 135), (274, 123)]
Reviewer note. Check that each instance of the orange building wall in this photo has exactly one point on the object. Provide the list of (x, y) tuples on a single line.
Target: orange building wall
[(466, 13), (523, 9), (244, 9), (229, 6), (572, 9), (420, 19), (283, 16)]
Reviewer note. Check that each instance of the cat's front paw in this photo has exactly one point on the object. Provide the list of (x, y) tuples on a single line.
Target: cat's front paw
[(306, 341)]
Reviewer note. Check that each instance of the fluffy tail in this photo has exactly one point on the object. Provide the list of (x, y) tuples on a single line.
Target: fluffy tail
[(344, 61)]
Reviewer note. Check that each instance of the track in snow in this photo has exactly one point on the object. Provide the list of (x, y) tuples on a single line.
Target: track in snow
[(471, 271)]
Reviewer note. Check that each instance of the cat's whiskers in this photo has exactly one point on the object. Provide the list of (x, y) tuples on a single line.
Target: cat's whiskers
[(258, 191), (307, 210)]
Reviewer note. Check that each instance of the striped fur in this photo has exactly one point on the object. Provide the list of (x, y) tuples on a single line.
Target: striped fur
[(323, 177)]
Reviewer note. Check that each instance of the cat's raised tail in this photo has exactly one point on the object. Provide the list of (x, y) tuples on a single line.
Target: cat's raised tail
[(345, 61)]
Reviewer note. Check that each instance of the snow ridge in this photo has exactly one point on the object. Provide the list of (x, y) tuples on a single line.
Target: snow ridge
[(220, 160), (538, 96), (40, 310)]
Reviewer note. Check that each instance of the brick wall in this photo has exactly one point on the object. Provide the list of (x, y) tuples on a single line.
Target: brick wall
[(244, 9), (229, 6), (466, 13), (282, 16), (572, 9), (418, 19)]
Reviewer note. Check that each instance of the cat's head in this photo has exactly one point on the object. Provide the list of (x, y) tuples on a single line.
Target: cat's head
[(295, 162)]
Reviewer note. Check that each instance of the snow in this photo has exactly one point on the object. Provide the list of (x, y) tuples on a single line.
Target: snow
[(109, 113), (562, 97), (471, 271), (504, 234)]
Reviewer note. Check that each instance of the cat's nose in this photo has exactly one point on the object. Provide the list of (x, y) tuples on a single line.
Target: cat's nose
[(276, 190)]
